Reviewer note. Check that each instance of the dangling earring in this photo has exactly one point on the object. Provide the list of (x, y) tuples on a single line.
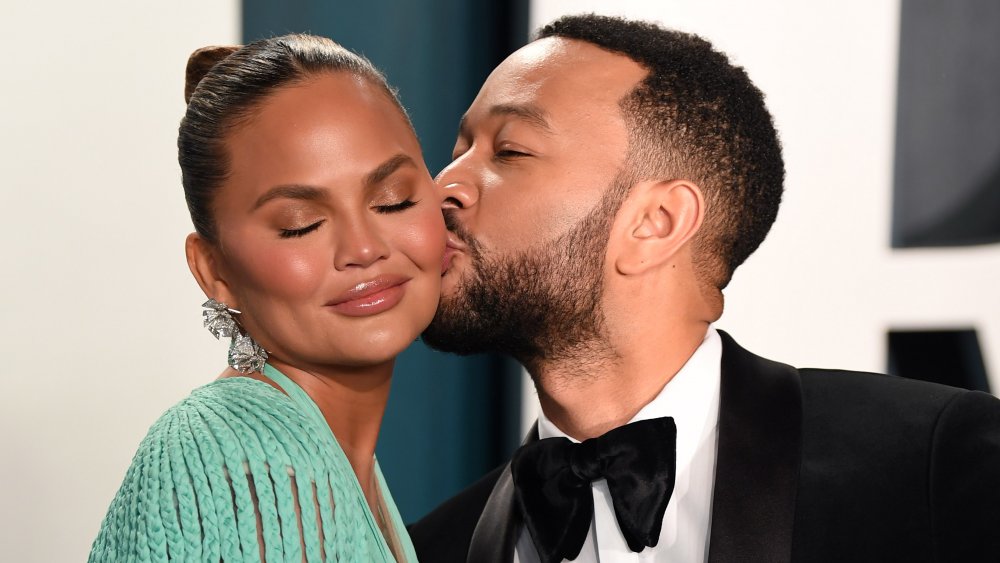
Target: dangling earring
[(245, 355)]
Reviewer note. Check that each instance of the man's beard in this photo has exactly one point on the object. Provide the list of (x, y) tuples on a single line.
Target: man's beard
[(541, 304)]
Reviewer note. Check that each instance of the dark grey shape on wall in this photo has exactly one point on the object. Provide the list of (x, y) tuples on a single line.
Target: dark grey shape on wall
[(949, 357), (947, 162)]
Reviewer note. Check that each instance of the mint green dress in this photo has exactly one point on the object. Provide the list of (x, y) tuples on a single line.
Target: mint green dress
[(239, 471)]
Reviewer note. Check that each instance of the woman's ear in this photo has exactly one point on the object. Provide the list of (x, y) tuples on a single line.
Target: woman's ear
[(656, 220), (203, 260)]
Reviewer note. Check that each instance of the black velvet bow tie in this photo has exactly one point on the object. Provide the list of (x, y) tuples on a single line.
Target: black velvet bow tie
[(552, 480)]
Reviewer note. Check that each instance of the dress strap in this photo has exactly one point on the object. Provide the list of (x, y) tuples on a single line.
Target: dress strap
[(307, 405), (408, 552), (298, 396)]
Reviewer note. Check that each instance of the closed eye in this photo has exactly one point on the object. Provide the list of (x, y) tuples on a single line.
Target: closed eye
[(395, 207), (508, 154), (293, 233)]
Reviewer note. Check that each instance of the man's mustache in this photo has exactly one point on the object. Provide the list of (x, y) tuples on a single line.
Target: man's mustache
[(452, 224)]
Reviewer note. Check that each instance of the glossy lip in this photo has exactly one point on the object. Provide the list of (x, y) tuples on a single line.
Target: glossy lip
[(371, 297)]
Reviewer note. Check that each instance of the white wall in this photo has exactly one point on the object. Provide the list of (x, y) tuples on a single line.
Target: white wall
[(825, 287), (100, 324)]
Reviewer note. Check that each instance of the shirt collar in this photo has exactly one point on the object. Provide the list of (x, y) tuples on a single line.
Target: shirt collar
[(691, 397)]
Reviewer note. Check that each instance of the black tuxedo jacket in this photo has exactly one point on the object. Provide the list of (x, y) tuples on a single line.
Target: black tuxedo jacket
[(813, 466)]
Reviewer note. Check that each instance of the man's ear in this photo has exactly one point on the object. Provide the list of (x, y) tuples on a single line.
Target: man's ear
[(656, 220), (203, 260)]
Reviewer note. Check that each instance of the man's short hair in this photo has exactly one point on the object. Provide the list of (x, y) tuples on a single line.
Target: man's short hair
[(698, 117)]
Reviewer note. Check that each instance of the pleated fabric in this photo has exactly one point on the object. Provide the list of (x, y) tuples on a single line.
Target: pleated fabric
[(238, 472)]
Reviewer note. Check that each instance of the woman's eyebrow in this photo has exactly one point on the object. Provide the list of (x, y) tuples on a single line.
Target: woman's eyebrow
[(291, 191), (386, 169), (313, 193)]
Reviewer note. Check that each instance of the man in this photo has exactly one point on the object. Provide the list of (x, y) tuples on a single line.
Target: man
[(607, 181)]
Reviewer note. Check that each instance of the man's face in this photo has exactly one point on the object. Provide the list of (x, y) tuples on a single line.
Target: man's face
[(537, 153)]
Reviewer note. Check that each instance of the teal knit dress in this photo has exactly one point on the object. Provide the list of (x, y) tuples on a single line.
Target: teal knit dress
[(238, 470)]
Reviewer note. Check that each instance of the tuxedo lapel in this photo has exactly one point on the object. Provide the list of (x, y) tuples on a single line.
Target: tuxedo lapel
[(756, 477), (757, 469), (496, 532)]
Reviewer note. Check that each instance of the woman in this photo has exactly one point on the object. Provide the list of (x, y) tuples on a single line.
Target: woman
[(319, 243)]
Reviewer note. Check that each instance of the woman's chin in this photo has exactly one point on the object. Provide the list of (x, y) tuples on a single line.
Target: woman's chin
[(377, 350)]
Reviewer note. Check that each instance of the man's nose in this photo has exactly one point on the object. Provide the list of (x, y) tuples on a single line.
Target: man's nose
[(458, 189)]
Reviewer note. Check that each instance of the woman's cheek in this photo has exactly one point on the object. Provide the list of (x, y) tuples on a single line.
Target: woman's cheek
[(290, 269), (425, 239)]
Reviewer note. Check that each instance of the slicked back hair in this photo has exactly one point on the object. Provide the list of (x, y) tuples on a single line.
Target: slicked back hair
[(698, 117), (226, 85)]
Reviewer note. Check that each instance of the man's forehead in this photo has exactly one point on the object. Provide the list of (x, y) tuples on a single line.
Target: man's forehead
[(559, 54), (559, 70)]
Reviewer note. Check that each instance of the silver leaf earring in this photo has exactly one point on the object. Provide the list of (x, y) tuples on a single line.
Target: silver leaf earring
[(245, 355)]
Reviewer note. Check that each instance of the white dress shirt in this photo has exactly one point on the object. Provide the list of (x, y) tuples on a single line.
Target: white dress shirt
[(692, 399)]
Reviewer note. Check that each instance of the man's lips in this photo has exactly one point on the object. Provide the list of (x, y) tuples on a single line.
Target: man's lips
[(454, 242), (371, 297), (449, 252), (453, 247)]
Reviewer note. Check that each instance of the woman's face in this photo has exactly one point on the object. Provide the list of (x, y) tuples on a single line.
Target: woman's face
[(331, 236)]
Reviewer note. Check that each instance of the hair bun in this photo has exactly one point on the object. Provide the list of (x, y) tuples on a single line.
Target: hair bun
[(202, 61)]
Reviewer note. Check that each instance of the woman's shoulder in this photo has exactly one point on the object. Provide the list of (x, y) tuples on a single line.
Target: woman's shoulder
[(235, 416), (231, 392), (216, 463)]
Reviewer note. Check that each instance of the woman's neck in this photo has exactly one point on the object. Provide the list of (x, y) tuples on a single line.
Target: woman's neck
[(352, 400)]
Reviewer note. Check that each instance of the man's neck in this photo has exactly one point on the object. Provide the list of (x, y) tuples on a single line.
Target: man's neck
[(587, 396)]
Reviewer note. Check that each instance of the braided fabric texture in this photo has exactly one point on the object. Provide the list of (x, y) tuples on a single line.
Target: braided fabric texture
[(237, 472)]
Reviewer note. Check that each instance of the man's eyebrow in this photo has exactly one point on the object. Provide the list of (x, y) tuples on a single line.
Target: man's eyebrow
[(313, 193), (530, 113), (527, 112)]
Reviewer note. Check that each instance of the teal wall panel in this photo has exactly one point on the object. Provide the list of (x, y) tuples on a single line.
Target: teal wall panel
[(449, 419)]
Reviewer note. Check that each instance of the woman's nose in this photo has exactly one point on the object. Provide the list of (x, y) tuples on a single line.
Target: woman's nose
[(359, 245)]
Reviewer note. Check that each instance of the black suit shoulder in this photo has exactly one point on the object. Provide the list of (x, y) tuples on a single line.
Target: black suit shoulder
[(835, 384), (866, 410), (904, 468), (965, 467), (445, 534), (878, 418)]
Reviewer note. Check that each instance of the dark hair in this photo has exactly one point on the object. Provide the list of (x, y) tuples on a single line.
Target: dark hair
[(699, 117), (225, 85)]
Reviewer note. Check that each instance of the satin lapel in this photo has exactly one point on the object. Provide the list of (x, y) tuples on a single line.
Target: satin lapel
[(760, 449), (496, 532)]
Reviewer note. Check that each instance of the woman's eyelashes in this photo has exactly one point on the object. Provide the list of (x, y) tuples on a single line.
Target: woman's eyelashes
[(381, 209), (395, 207), (293, 233)]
